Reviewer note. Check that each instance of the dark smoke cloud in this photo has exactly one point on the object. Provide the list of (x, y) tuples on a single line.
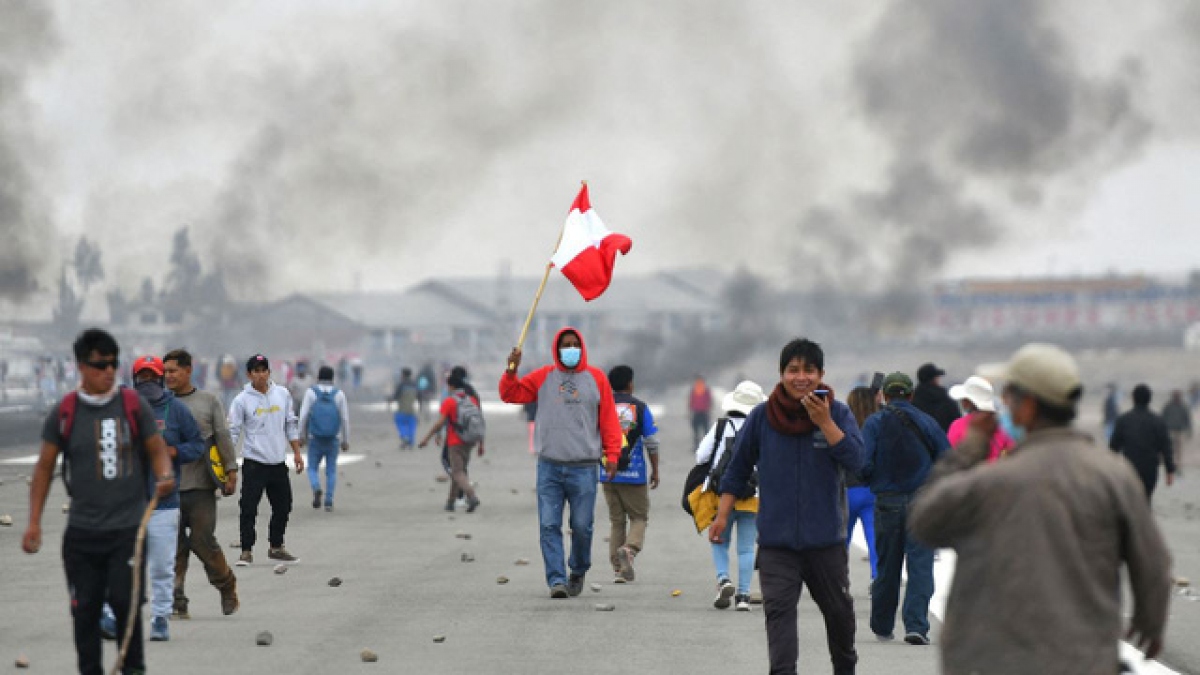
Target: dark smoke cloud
[(967, 95), (27, 40)]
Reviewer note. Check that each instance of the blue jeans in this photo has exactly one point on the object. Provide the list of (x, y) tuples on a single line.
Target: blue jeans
[(557, 485), (862, 507), (162, 536), (327, 449), (895, 547), (746, 523), (406, 426)]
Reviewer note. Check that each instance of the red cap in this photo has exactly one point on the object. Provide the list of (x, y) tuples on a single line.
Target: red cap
[(151, 363)]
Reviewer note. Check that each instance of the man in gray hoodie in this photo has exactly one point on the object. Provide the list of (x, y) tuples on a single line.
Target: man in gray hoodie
[(263, 416), (577, 425)]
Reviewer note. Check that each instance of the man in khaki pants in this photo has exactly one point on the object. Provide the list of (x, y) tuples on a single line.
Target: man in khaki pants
[(626, 492), (197, 488)]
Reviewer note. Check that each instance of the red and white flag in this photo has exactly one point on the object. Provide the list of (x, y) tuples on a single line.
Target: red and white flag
[(588, 250)]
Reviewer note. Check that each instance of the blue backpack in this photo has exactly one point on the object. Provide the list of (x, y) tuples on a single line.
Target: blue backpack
[(324, 420)]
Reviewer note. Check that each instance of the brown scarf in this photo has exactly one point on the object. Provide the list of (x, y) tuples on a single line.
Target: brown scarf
[(788, 415)]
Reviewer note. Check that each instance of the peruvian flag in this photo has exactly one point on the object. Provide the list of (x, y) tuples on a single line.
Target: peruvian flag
[(587, 251)]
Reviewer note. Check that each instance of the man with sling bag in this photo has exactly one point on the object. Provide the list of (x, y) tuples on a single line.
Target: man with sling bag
[(902, 445)]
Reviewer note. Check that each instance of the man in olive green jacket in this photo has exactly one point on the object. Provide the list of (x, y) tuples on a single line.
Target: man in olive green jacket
[(1041, 536), (197, 488)]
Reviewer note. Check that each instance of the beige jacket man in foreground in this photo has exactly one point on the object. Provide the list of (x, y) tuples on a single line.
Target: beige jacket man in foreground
[(1041, 536)]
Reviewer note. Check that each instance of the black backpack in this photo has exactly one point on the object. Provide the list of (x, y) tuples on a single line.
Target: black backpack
[(713, 474)]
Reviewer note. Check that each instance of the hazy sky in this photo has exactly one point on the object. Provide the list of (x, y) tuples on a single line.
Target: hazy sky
[(867, 144)]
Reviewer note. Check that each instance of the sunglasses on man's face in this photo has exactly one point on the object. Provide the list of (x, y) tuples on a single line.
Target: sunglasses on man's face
[(101, 364)]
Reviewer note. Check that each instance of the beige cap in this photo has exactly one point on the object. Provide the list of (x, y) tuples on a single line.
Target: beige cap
[(1044, 370)]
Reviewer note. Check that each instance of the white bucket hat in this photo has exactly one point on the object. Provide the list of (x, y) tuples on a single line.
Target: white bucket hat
[(976, 390), (743, 398)]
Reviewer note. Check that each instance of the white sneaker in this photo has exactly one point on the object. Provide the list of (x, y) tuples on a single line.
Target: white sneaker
[(743, 602), (725, 591)]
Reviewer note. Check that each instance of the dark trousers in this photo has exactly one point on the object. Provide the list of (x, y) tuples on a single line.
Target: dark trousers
[(98, 570), (273, 479), (782, 574), (197, 534), (895, 547)]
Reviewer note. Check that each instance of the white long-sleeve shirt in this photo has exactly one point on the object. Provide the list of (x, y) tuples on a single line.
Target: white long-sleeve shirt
[(310, 399), (267, 422), (705, 449)]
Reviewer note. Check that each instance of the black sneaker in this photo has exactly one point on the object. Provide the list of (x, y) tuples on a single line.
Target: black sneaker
[(574, 585), (725, 591), (317, 494), (558, 592), (915, 638)]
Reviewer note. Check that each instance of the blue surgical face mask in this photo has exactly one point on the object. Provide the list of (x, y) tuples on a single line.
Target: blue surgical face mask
[(570, 356), (1004, 417)]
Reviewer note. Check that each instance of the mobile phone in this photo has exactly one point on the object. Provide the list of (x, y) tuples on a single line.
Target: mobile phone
[(821, 393), (877, 382)]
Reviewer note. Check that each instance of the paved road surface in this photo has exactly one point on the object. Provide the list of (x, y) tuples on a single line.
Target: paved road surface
[(405, 582)]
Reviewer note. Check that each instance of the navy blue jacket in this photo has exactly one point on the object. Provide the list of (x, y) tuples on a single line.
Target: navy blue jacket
[(801, 482), (897, 460), (179, 430)]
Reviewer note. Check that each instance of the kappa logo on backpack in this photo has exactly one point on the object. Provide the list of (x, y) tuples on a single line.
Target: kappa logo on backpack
[(468, 420), (324, 420)]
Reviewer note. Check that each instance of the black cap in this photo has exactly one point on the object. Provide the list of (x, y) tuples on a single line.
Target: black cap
[(257, 361), (929, 372), (325, 374)]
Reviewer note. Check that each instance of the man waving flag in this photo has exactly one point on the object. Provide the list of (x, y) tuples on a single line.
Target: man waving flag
[(587, 251)]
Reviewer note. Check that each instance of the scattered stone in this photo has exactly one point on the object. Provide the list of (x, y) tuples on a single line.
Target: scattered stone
[(1182, 582), (606, 540), (756, 598), (6, 520), (22, 661), (378, 465), (502, 580), (605, 607), (595, 588), (516, 491), (449, 517), (467, 557), (235, 544), (281, 569), (66, 508), (349, 484), (439, 638), (676, 593), (29, 481), (442, 478), (335, 582), (463, 535), (264, 639), (521, 561), (369, 656)]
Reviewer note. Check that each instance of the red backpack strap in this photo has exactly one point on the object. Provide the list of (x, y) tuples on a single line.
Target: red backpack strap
[(132, 404), (66, 415)]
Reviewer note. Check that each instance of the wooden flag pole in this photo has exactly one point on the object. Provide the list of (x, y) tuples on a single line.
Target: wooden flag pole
[(541, 287)]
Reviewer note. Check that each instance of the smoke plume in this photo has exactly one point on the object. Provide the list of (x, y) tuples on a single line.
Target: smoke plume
[(980, 104), (26, 40)]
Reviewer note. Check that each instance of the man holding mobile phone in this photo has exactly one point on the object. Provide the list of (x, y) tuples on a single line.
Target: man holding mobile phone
[(802, 443)]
